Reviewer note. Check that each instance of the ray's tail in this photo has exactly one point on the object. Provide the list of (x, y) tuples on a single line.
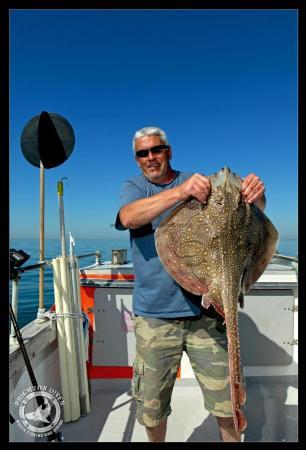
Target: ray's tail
[(238, 394)]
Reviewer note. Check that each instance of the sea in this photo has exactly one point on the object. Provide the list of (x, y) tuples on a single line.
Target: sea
[(28, 292)]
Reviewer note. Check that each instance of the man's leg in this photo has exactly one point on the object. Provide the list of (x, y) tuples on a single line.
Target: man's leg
[(157, 434), (159, 347), (227, 429), (207, 351)]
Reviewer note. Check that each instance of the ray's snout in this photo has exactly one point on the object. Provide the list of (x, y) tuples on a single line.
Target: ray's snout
[(226, 179)]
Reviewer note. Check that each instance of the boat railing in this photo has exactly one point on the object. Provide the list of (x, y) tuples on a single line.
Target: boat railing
[(288, 258), (17, 276), (294, 262), (48, 262)]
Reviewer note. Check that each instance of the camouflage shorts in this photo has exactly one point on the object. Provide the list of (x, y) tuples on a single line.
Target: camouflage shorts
[(159, 347)]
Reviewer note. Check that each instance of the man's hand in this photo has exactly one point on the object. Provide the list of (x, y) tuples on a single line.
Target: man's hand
[(197, 186), (143, 211), (252, 188)]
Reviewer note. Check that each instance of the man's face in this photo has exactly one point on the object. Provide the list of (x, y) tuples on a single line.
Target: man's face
[(154, 167)]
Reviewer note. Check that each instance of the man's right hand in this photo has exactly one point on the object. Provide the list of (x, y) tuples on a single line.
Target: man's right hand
[(197, 186)]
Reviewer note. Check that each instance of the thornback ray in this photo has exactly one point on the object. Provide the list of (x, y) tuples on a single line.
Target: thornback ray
[(219, 250)]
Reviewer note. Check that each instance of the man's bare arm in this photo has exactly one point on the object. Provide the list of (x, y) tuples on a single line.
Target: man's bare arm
[(143, 211)]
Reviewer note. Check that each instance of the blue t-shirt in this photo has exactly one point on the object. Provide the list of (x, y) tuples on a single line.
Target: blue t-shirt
[(156, 293)]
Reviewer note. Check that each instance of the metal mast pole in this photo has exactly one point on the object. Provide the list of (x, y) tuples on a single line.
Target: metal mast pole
[(41, 306)]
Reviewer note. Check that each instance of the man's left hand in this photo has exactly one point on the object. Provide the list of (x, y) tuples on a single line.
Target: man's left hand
[(252, 188)]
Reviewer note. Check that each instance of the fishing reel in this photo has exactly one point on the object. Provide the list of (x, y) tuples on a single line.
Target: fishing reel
[(17, 259)]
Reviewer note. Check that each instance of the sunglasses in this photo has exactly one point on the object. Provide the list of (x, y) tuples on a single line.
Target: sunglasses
[(154, 150)]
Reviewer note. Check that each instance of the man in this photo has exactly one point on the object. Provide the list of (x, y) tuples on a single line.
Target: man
[(168, 319)]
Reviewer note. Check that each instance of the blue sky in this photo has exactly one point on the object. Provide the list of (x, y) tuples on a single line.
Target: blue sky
[(221, 83)]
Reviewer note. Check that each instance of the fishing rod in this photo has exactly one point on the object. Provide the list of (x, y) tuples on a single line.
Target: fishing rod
[(77, 328), (58, 436), (60, 192), (74, 329)]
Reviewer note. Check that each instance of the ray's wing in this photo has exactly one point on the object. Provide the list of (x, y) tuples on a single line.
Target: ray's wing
[(263, 243), (181, 243)]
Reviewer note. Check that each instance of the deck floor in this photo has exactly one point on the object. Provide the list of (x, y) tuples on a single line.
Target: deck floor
[(271, 411)]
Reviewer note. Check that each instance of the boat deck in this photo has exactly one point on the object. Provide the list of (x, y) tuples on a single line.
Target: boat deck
[(268, 331), (271, 411)]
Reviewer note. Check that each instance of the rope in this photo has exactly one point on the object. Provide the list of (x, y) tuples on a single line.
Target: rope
[(54, 316)]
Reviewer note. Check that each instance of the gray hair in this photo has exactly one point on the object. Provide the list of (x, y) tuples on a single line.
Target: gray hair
[(150, 131)]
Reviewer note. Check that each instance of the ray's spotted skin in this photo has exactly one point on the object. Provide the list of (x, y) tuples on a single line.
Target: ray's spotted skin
[(218, 250)]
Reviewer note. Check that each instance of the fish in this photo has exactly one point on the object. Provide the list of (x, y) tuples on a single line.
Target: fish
[(41, 413), (218, 250)]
